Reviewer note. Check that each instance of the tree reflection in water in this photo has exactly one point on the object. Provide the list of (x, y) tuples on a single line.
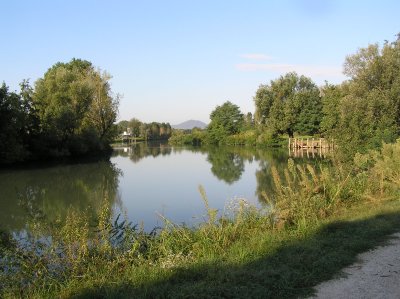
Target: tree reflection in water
[(227, 163), (51, 191)]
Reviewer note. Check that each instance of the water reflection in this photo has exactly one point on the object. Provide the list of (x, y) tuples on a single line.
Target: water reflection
[(141, 150), (157, 178), (227, 163), (314, 153), (277, 158), (52, 190)]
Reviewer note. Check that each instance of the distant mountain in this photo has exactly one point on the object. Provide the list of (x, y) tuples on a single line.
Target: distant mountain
[(190, 124)]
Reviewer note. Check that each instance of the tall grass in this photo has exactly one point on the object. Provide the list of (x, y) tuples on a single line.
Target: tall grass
[(65, 258)]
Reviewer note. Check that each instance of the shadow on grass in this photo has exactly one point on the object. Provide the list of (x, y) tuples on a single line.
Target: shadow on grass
[(291, 271)]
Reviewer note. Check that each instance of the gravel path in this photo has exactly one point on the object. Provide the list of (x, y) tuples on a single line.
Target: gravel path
[(376, 275)]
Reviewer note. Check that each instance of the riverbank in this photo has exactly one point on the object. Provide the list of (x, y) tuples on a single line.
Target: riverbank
[(243, 259), (317, 221)]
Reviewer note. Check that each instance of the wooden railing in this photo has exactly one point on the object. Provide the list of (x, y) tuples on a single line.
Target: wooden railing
[(310, 147), (311, 143)]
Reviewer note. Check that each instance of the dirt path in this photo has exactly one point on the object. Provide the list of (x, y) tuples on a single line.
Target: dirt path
[(376, 275)]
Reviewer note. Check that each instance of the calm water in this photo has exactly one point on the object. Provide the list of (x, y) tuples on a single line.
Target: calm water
[(141, 182)]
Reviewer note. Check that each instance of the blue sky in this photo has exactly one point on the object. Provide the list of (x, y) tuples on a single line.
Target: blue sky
[(177, 60)]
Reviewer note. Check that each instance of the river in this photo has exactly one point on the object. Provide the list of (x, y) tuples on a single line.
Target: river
[(143, 183)]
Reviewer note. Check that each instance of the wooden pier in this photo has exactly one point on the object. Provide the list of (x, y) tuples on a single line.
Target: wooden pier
[(311, 143), (310, 147)]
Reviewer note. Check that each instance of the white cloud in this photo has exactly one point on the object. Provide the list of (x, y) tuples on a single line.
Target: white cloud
[(256, 56), (308, 70)]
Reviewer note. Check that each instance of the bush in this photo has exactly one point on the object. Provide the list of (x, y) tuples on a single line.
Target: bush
[(270, 139), (382, 168), (196, 137), (248, 137)]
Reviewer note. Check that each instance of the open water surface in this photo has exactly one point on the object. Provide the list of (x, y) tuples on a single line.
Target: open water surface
[(141, 182)]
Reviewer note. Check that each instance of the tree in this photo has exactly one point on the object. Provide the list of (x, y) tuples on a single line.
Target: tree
[(331, 101), (12, 120), (61, 98), (370, 106), (289, 104), (134, 124), (103, 109), (148, 131), (225, 120), (248, 121), (75, 108), (122, 126), (144, 131), (154, 131), (165, 130), (263, 100)]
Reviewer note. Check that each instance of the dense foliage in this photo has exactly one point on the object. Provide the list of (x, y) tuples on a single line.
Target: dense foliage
[(70, 112), (289, 104), (13, 122), (367, 107), (76, 108), (225, 120)]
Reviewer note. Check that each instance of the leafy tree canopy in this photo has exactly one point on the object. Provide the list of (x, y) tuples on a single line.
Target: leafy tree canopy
[(11, 126), (75, 107), (225, 120), (369, 110), (289, 104)]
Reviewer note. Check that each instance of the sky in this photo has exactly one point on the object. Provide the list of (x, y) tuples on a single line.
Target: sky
[(177, 60)]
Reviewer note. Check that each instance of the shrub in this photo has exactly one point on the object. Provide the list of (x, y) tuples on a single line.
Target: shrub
[(269, 138), (243, 138)]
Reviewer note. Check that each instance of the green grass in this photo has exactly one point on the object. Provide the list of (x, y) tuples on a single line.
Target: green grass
[(256, 263), (284, 264)]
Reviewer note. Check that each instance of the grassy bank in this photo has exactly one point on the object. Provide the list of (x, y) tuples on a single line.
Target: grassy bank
[(318, 220)]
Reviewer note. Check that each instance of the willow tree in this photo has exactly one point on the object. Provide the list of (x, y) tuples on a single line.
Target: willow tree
[(103, 109), (75, 107)]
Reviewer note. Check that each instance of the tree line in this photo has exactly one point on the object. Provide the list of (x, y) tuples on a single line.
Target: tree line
[(360, 113), (69, 112), (144, 131)]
